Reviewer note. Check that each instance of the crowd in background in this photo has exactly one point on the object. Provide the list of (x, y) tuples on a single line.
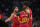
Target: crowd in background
[(7, 5)]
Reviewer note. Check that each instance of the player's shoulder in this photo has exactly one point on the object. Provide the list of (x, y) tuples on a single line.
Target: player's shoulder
[(28, 9), (13, 12)]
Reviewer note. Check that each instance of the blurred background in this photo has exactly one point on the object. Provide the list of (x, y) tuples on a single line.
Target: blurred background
[(6, 10)]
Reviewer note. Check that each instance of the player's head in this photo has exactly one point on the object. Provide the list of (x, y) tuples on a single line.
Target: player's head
[(23, 9), (25, 4), (15, 8)]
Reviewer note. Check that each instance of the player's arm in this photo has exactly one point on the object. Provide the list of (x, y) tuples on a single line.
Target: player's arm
[(30, 16), (12, 15), (30, 19), (19, 18)]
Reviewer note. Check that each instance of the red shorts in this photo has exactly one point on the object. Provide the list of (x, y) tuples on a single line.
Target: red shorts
[(24, 25), (30, 24), (15, 25)]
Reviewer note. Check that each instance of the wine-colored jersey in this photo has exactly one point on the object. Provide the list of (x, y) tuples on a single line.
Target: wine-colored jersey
[(15, 21), (15, 18), (24, 17), (30, 18)]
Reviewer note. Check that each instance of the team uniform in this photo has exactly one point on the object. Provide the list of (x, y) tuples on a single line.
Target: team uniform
[(30, 18), (26, 19), (15, 21)]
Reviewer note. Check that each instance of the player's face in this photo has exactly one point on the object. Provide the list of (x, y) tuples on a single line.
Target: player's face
[(25, 6), (16, 9)]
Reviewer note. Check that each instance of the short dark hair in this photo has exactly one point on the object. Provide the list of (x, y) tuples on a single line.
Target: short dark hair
[(23, 8), (14, 7), (26, 3)]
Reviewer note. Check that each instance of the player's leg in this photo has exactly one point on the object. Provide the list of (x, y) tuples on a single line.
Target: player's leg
[(14, 25)]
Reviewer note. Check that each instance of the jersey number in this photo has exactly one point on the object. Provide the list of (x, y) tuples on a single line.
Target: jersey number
[(24, 19)]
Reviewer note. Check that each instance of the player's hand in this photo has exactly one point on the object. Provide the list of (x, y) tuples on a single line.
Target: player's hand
[(21, 22), (18, 18), (6, 21)]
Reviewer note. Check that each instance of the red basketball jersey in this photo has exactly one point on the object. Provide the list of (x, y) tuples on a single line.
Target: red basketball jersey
[(15, 19), (24, 17)]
